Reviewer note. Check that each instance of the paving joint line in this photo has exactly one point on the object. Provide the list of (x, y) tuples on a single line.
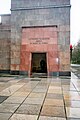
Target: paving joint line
[(75, 88), (22, 102), (64, 102), (43, 101)]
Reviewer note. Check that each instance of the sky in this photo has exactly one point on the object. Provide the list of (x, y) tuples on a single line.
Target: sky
[(75, 21), (5, 6)]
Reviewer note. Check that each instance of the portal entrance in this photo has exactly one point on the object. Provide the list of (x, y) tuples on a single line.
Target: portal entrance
[(39, 63)]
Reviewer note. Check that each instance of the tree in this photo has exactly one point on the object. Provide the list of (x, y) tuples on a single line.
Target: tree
[(76, 54)]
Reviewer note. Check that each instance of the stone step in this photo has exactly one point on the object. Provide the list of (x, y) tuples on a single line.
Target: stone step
[(39, 75)]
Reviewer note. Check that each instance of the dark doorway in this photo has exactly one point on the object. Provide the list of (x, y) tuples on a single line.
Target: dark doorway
[(39, 63)]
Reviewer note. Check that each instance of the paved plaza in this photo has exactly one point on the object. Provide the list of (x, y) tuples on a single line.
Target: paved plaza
[(55, 98)]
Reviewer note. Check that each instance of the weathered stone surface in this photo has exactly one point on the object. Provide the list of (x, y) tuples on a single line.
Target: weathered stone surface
[(5, 37), (29, 3), (17, 33)]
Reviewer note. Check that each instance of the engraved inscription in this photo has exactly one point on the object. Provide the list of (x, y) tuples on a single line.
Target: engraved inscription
[(38, 40)]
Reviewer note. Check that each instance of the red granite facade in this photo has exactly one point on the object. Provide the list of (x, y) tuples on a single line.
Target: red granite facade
[(39, 40)]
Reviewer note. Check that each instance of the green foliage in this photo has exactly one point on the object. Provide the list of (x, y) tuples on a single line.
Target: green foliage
[(76, 54)]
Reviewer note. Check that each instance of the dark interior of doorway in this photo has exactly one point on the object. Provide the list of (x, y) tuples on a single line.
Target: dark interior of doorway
[(39, 63)]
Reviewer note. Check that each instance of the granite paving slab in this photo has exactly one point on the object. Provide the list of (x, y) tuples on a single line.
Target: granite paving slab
[(65, 82), (55, 91), (41, 87), (73, 112), (4, 81), (5, 116), (71, 97), (53, 111), (23, 81), (23, 117), (20, 94), (8, 108), (3, 98), (10, 90), (74, 104), (54, 88), (54, 96), (15, 100), (40, 90), (51, 118), (68, 87), (33, 101), (1, 88), (36, 95), (54, 102), (23, 89), (29, 109), (72, 119)]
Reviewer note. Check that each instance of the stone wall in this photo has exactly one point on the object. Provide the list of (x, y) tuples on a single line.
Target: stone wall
[(5, 33), (31, 13), (37, 3)]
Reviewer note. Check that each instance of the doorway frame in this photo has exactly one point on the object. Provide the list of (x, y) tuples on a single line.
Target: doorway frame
[(30, 66)]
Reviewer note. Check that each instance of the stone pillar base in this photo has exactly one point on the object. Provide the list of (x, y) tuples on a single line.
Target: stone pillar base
[(5, 71), (66, 73), (14, 72)]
